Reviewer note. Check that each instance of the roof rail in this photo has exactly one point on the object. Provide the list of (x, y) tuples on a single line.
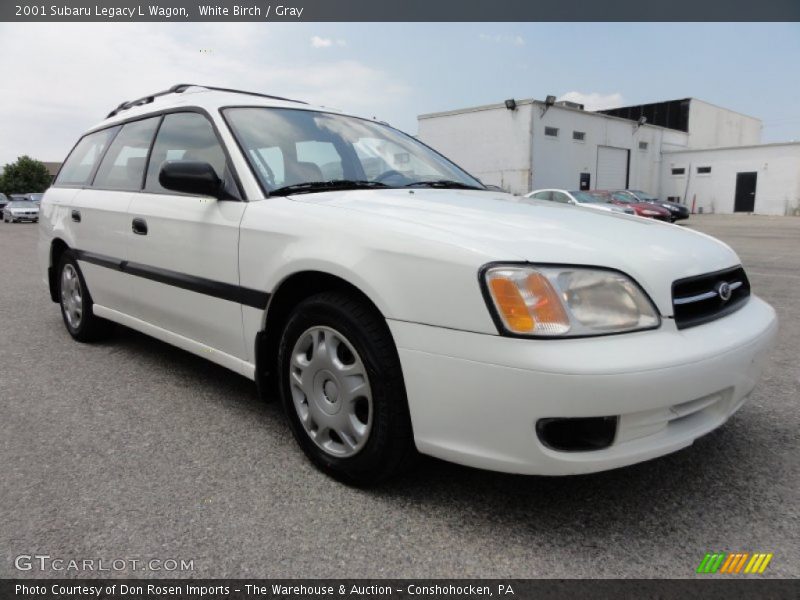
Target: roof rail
[(182, 87)]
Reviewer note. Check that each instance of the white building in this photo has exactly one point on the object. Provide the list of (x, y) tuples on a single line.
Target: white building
[(531, 144), (763, 178)]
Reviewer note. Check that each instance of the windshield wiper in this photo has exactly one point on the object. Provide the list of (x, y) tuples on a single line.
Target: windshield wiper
[(320, 186), (444, 183)]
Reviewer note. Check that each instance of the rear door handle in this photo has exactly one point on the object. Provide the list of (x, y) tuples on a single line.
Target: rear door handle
[(76, 216), (139, 226)]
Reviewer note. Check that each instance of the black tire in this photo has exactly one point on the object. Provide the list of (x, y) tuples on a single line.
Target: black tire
[(90, 328), (389, 448)]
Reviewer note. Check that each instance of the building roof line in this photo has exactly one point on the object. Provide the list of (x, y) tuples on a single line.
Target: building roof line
[(526, 101), (716, 148)]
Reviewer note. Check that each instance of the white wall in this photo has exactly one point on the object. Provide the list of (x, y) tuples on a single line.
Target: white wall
[(495, 144), (712, 126), (492, 143), (777, 184)]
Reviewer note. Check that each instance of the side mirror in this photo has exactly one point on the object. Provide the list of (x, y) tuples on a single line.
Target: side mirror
[(190, 177)]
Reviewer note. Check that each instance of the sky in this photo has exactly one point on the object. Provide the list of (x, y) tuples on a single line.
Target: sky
[(60, 79)]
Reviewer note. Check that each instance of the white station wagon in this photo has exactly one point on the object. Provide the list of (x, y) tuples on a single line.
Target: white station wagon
[(392, 302)]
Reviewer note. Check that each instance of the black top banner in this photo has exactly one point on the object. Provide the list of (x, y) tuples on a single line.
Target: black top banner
[(401, 10)]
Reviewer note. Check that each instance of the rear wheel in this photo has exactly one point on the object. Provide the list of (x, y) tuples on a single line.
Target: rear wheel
[(76, 302), (342, 389)]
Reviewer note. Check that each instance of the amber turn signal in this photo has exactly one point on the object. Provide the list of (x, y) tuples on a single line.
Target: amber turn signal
[(527, 302)]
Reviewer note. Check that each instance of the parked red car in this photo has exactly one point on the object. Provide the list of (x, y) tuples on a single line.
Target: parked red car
[(642, 209)]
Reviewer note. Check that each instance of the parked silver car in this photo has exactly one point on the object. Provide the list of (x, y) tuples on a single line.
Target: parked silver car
[(20, 210), (584, 199)]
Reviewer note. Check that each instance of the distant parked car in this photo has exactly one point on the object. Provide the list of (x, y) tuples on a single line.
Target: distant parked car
[(20, 210), (579, 198), (35, 198), (3, 201), (677, 211), (642, 209)]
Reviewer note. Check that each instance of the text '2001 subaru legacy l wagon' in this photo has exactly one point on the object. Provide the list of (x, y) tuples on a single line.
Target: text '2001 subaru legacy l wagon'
[(393, 302)]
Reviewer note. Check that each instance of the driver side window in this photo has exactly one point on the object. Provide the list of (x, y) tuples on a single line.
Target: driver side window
[(560, 197), (184, 136)]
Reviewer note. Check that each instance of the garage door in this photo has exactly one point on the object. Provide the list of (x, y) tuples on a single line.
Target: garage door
[(612, 168)]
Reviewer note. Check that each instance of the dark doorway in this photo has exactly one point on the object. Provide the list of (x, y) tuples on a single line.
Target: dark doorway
[(586, 181), (745, 198)]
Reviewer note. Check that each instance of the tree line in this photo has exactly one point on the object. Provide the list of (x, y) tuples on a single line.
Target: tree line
[(25, 176)]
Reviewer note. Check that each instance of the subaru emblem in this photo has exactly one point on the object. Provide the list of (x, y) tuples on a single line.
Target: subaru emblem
[(724, 291)]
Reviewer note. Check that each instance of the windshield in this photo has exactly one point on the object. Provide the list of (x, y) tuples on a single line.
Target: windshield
[(625, 197), (644, 195), (21, 204), (36, 197), (295, 151), (589, 197)]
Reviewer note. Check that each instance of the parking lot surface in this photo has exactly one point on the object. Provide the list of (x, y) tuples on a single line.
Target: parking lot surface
[(134, 449)]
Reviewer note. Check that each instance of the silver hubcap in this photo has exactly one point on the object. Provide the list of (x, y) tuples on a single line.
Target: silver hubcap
[(331, 391), (71, 296)]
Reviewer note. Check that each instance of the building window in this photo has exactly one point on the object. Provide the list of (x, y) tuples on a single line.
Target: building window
[(578, 136), (680, 171), (703, 170), (642, 145), (551, 131)]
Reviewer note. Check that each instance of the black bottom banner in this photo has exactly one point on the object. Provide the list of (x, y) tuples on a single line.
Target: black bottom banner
[(348, 589)]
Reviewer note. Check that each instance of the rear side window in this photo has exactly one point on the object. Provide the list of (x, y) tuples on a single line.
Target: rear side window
[(184, 136), (123, 165), (83, 159)]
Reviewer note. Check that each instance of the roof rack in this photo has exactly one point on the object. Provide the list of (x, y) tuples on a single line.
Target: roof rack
[(182, 87)]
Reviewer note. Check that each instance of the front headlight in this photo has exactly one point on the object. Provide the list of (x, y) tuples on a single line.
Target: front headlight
[(564, 301)]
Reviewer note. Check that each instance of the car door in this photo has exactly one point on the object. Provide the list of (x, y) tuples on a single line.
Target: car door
[(183, 249), (96, 216)]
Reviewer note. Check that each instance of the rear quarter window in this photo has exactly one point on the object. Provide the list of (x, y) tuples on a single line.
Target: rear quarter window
[(83, 159)]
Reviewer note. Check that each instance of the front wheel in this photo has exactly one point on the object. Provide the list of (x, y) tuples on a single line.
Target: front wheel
[(342, 389)]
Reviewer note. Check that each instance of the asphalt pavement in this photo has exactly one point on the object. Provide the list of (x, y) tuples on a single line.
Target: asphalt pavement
[(133, 450)]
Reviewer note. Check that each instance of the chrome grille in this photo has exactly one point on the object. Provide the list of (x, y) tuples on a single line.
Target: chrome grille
[(700, 299)]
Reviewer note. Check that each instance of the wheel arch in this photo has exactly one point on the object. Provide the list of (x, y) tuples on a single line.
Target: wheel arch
[(57, 248), (292, 290)]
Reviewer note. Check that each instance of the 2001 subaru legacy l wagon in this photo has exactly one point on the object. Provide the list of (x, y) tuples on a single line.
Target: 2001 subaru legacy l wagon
[(393, 302)]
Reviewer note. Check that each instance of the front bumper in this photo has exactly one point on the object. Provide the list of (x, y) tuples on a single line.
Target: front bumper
[(475, 399)]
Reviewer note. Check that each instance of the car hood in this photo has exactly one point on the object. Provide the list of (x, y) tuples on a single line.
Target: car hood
[(502, 227)]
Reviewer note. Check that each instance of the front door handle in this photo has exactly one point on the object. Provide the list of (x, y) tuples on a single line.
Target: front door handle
[(76, 216), (139, 226)]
